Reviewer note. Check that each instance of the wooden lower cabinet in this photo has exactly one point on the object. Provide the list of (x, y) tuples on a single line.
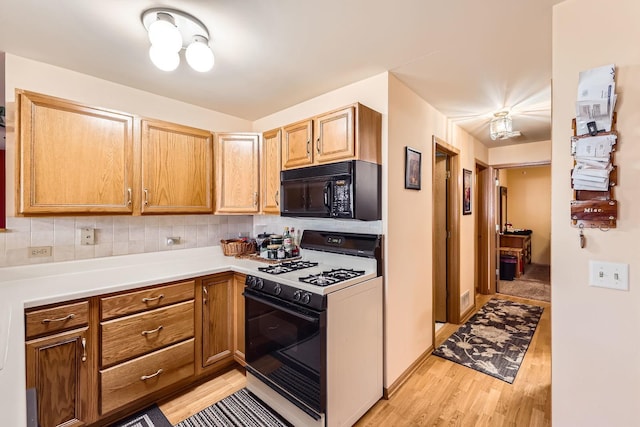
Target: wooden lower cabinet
[(101, 359), (137, 378), (217, 322), (238, 318), (59, 368)]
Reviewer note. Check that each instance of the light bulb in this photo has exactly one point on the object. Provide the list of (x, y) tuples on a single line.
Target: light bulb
[(199, 55), (164, 59), (164, 34)]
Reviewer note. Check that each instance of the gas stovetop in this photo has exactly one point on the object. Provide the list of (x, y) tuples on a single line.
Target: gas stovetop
[(287, 267), (331, 277)]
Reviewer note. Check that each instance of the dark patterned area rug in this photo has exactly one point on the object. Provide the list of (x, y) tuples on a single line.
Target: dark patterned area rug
[(495, 340), (241, 409), (149, 417)]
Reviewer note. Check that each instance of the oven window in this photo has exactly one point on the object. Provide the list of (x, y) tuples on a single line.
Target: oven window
[(287, 348)]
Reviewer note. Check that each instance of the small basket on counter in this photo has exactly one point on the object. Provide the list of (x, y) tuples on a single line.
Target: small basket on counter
[(234, 247)]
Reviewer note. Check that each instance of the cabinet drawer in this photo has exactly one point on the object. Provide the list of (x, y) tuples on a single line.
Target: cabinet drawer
[(145, 299), (54, 319), (140, 333), (139, 377)]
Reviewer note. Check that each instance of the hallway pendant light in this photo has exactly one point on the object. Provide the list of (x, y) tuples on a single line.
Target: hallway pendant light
[(169, 32), (501, 126)]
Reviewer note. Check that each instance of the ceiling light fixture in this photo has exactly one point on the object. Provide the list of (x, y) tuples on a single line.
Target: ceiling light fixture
[(501, 126), (169, 32)]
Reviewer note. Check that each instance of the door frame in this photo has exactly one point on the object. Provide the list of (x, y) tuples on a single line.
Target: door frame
[(453, 245), (482, 225)]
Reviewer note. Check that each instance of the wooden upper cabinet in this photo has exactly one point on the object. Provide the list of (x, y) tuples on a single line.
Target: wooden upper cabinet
[(177, 169), (334, 138), (270, 161), (237, 173), (297, 141), (72, 158), (349, 133)]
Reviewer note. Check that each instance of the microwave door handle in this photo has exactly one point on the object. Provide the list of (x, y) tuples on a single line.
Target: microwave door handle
[(327, 195)]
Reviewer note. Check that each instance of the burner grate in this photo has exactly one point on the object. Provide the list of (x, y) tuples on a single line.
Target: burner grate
[(331, 277), (287, 267)]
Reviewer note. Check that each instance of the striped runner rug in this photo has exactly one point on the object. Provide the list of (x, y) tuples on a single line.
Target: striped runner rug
[(241, 409)]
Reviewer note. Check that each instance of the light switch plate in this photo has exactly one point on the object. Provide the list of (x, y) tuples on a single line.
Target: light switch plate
[(611, 275)]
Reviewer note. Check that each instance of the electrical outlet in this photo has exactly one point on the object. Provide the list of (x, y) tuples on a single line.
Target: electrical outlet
[(609, 275), (39, 251), (87, 236)]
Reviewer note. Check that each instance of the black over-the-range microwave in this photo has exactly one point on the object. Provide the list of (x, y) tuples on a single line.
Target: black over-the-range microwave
[(349, 190)]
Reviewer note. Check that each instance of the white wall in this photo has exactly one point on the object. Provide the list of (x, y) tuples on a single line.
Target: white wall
[(532, 152), (596, 350)]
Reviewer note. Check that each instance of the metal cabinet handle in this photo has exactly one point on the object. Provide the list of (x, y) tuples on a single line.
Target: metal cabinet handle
[(146, 197), (205, 295), (152, 331), (149, 299), (60, 319), (308, 147), (129, 197), (84, 349), (255, 198), (277, 198), (146, 377), (318, 145)]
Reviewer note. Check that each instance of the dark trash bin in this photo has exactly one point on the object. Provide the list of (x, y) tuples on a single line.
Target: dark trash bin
[(508, 264)]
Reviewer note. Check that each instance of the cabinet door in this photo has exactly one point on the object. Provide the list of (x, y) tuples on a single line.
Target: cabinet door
[(238, 303), (237, 173), (177, 169), (217, 326), (334, 134), (297, 144), (73, 158), (58, 367), (270, 179)]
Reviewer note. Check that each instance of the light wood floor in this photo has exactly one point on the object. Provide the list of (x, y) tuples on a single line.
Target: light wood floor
[(439, 393)]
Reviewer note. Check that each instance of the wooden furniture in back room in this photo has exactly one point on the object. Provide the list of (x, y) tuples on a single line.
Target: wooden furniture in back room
[(518, 245)]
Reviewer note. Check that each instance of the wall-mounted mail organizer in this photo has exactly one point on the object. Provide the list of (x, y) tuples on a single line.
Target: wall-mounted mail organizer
[(593, 178)]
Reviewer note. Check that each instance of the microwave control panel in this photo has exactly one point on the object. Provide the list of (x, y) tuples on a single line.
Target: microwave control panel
[(341, 206)]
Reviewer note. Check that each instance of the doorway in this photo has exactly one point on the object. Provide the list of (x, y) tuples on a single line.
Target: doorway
[(524, 240), (483, 228), (446, 234)]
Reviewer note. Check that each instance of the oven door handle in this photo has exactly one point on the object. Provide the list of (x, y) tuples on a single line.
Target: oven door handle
[(280, 306)]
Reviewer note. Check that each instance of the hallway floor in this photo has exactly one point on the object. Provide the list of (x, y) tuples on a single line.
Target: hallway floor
[(535, 283)]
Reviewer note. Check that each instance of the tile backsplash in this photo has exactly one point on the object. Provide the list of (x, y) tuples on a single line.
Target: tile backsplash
[(276, 224), (114, 235)]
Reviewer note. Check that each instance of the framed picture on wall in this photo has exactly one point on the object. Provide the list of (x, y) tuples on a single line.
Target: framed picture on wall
[(466, 192), (412, 168)]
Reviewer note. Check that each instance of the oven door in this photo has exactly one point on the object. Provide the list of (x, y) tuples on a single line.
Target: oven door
[(285, 347)]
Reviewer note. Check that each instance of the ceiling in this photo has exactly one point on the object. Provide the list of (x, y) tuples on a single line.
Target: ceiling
[(467, 58)]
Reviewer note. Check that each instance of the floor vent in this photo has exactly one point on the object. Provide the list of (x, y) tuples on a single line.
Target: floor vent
[(464, 300)]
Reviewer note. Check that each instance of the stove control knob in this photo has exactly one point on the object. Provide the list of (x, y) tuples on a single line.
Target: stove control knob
[(277, 290), (250, 282), (259, 283), (297, 295), (306, 298)]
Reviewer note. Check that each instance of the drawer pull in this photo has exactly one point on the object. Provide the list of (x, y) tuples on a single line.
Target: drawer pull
[(61, 319), (152, 331), (84, 349), (147, 377), (149, 299)]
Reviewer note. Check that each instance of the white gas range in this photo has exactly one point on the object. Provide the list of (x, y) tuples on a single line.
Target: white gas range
[(314, 330)]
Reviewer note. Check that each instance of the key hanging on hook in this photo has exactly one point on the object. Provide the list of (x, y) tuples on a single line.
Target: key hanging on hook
[(583, 240)]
